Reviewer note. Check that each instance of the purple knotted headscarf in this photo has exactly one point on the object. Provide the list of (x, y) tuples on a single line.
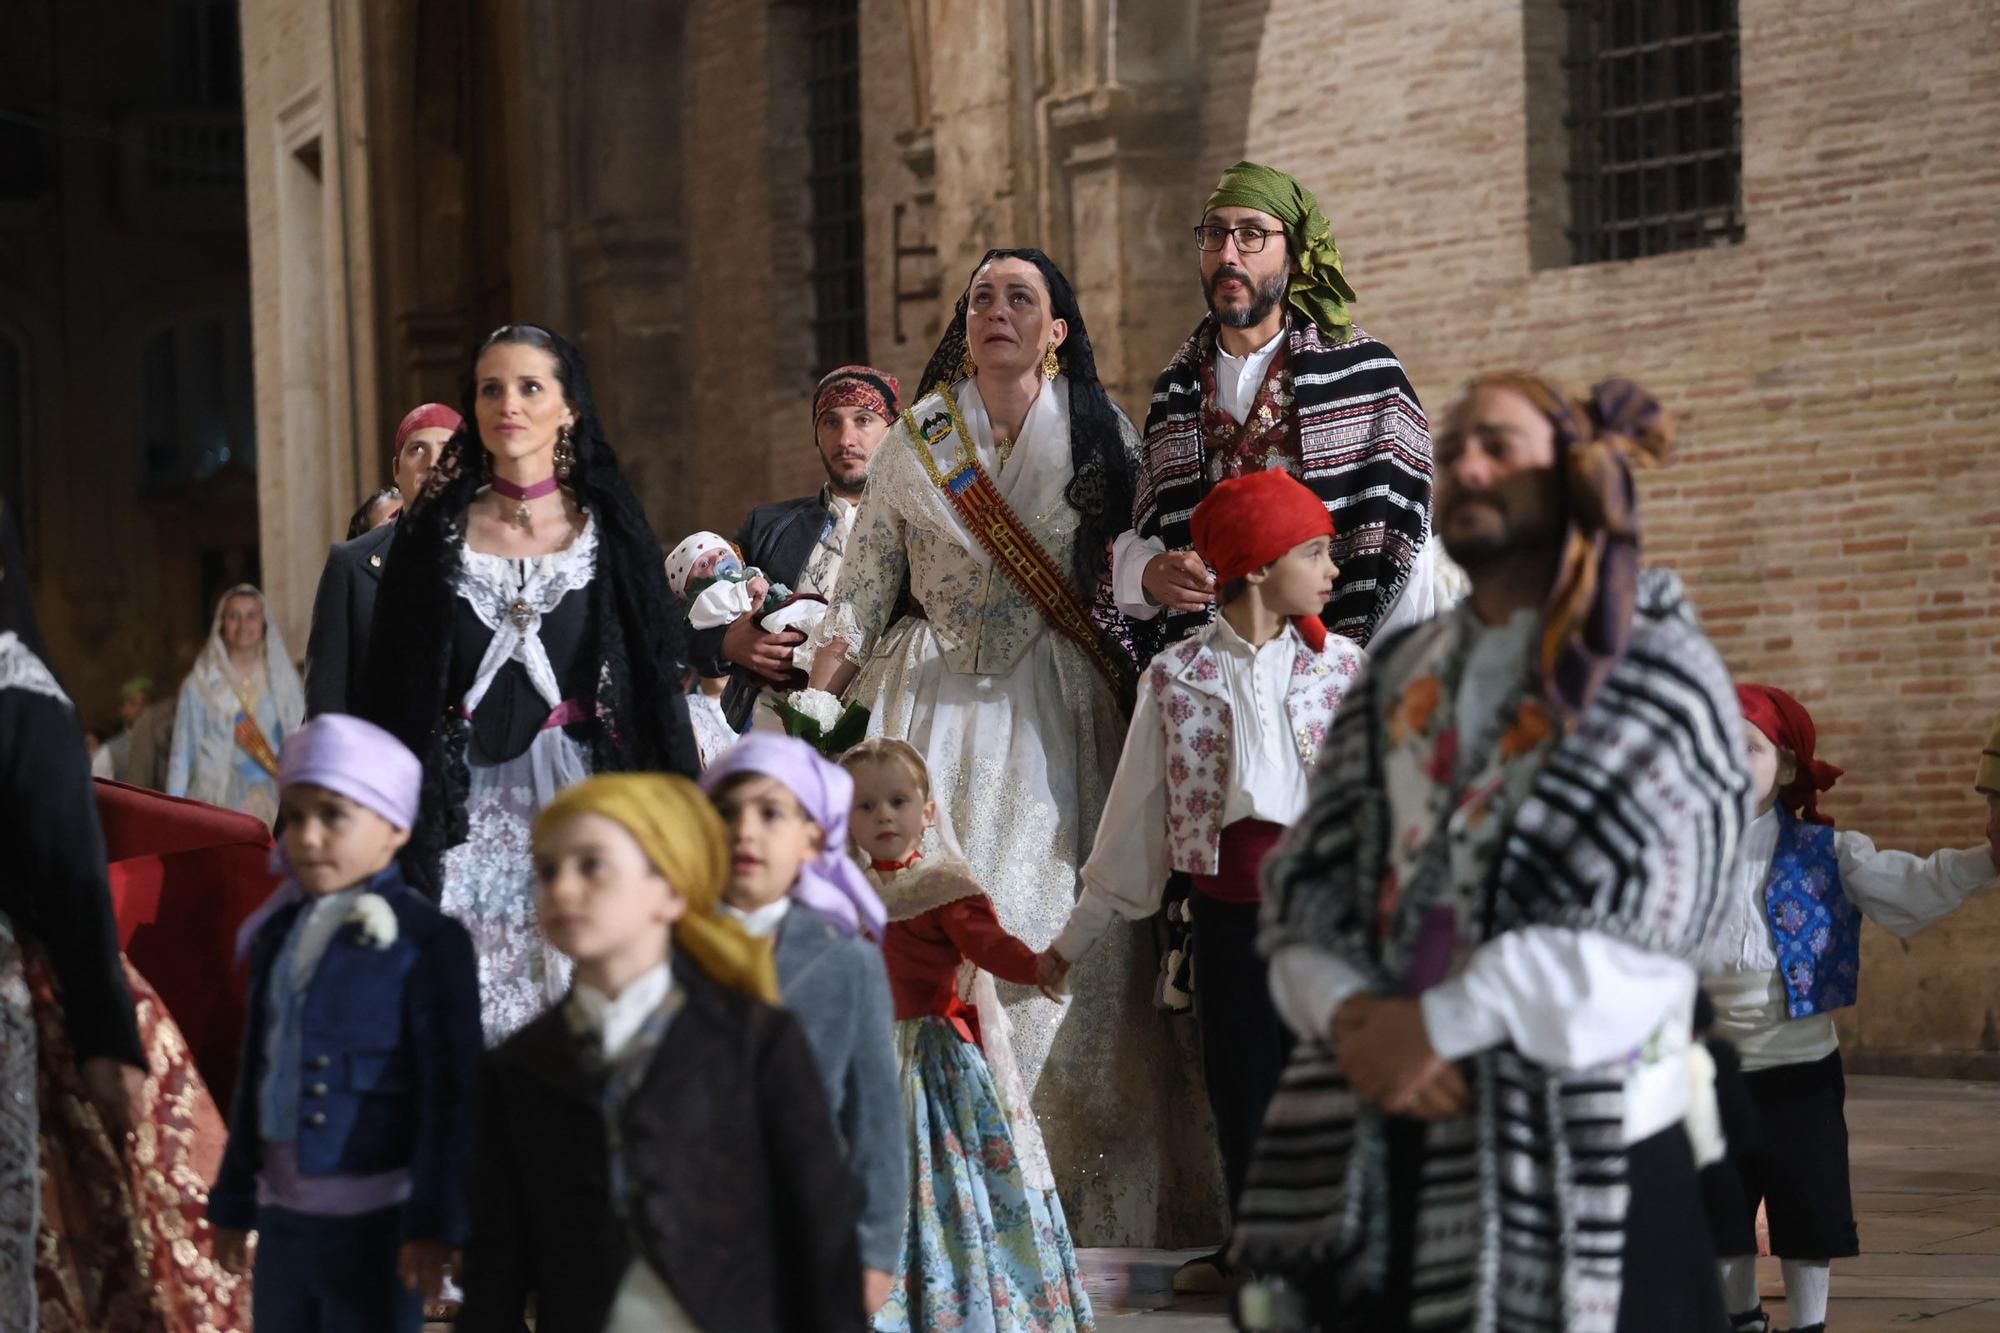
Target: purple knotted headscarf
[(831, 884), (356, 759)]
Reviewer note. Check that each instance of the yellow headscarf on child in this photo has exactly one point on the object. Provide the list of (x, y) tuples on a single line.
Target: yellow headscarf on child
[(683, 837)]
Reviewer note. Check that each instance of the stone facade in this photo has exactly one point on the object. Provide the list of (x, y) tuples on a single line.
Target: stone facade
[(633, 172)]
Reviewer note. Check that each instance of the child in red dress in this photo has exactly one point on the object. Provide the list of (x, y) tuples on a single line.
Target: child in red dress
[(986, 1245)]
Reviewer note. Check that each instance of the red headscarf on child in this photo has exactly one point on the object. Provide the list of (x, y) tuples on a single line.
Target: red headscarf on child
[(1787, 725), (1247, 522)]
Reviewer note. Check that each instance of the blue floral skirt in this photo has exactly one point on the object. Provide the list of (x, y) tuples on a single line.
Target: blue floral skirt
[(984, 1252)]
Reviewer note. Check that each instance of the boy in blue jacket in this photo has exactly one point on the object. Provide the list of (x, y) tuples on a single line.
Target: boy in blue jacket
[(347, 1139)]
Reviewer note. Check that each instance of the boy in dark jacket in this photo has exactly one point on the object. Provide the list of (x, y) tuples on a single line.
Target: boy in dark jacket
[(347, 1138), (655, 1153)]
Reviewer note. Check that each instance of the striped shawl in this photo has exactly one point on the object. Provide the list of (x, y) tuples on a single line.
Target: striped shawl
[(1627, 828), (1364, 449)]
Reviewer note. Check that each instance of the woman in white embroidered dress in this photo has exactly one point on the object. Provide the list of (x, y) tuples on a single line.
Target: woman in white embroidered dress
[(236, 707), (524, 639), (1017, 722)]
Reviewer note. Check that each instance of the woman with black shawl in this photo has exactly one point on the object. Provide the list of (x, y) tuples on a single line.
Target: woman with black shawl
[(963, 618), (524, 639)]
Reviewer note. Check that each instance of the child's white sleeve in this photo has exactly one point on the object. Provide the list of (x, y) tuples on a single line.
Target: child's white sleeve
[(1903, 893), (1128, 866)]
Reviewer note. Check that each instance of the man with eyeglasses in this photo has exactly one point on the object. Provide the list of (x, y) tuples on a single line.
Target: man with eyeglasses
[(1277, 375)]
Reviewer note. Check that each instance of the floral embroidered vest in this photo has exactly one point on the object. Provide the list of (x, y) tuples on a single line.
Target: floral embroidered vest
[(1268, 437), (1195, 712), (1817, 930)]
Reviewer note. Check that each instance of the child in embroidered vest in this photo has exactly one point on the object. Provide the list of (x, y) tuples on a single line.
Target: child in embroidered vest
[(792, 881), (986, 1244), (347, 1138), (1222, 740), (654, 1153), (1786, 954)]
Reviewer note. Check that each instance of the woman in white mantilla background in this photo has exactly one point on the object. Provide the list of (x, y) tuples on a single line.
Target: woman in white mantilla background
[(237, 706), (963, 619)]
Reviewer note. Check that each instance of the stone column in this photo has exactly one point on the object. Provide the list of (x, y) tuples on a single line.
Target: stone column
[(1119, 187)]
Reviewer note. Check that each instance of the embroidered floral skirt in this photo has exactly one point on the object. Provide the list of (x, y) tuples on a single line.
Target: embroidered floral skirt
[(90, 1243), (983, 1252)]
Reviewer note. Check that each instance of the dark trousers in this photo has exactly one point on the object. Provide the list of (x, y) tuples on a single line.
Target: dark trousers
[(1244, 1044), (1796, 1165), (1668, 1279), (331, 1274)]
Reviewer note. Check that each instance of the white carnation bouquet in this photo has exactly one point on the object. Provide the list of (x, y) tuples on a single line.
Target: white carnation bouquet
[(820, 720)]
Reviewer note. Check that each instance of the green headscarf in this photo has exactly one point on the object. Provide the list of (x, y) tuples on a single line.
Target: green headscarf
[(1319, 290)]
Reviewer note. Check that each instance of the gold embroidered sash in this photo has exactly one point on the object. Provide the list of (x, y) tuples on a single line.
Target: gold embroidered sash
[(249, 735), (995, 525)]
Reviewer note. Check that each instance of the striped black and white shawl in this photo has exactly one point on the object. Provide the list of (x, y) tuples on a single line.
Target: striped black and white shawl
[(1364, 449), (1628, 828)]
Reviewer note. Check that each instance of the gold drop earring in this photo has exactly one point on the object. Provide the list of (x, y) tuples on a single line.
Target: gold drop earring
[(1050, 366), (565, 453)]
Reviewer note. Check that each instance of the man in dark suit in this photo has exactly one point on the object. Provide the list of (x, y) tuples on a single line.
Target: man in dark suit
[(800, 542), (345, 604)]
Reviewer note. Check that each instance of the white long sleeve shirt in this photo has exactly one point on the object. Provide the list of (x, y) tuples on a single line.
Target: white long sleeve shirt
[(1898, 891), (1567, 999), (1129, 864)]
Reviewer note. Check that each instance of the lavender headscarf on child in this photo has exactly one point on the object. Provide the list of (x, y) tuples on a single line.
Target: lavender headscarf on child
[(832, 884), (358, 760)]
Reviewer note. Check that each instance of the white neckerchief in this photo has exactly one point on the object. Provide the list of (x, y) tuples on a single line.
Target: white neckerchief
[(317, 926), (761, 923), (617, 1018), (493, 584), (1237, 378)]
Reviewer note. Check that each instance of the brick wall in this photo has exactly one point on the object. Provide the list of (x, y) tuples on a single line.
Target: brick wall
[(1831, 504)]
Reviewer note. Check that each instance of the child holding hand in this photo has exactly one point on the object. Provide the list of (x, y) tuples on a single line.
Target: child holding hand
[(986, 1244), (1223, 737), (654, 1154), (346, 1141)]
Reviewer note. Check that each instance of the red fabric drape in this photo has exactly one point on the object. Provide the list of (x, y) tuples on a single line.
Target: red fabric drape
[(184, 876)]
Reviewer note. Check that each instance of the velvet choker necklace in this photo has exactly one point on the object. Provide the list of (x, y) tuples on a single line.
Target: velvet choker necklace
[(522, 494), (889, 867)]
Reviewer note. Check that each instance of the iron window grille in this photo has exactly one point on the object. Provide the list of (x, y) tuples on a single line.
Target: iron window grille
[(1655, 127), (833, 176)]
